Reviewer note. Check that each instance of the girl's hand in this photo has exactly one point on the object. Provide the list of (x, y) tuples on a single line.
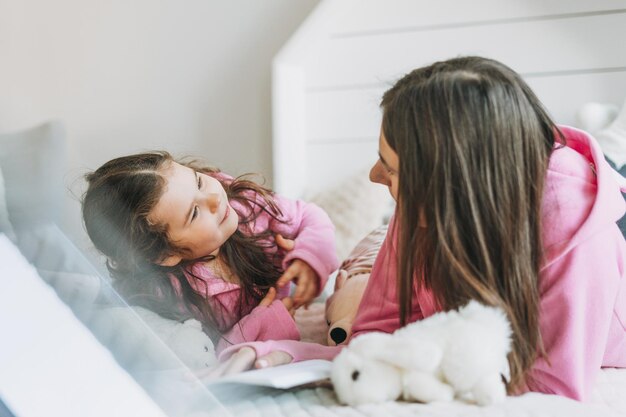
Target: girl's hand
[(271, 296), (305, 277), (306, 282), (244, 360), (284, 243)]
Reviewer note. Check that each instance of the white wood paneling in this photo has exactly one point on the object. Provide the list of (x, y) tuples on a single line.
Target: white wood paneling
[(379, 16), (564, 95), (328, 164), (289, 134), (574, 44), (340, 115), (350, 51)]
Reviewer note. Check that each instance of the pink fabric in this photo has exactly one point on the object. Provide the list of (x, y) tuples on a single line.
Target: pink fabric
[(299, 351), (314, 237), (582, 283)]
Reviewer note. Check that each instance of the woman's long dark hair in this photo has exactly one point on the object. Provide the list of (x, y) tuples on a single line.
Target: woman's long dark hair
[(119, 198), (473, 143)]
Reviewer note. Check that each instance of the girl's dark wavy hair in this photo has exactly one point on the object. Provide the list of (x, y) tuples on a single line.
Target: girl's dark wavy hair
[(120, 196), (474, 144)]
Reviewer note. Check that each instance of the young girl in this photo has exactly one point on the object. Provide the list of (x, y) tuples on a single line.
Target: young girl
[(496, 203), (185, 240)]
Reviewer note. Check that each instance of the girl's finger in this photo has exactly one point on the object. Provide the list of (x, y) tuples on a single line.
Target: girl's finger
[(273, 359), (287, 302), (288, 275), (269, 297), (310, 295), (285, 244), (240, 361), (301, 291), (213, 372)]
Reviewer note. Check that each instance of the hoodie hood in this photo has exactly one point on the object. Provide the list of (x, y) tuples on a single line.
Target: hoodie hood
[(583, 194)]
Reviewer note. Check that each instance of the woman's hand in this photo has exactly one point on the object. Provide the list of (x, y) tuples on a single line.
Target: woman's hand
[(301, 273)]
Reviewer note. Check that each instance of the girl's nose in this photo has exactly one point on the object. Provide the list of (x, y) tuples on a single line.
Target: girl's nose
[(213, 201)]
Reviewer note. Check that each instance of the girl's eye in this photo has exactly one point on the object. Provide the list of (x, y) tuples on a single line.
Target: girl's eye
[(199, 181), (195, 213)]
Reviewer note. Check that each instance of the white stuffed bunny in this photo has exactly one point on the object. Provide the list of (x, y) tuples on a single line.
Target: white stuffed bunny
[(451, 354)]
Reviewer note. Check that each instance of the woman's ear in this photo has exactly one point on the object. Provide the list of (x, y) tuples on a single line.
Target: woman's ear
[(171, 260)]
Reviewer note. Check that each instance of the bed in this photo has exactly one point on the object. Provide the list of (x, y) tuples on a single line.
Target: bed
[(327, 84)]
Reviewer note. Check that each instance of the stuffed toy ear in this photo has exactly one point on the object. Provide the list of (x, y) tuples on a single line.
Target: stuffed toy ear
[(404, 353), (370, 345)]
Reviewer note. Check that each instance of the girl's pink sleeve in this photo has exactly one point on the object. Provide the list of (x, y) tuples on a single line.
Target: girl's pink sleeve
[(578, 292), (271, 322), (314, 235)]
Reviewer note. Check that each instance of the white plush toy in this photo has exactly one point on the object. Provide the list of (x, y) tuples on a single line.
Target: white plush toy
[(459, 354), (142, 339)]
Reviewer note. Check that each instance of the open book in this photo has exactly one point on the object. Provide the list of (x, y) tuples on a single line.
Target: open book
[(283, 376)]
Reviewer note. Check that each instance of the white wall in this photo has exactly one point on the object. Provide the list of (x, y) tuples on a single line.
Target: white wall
[(191, 76)]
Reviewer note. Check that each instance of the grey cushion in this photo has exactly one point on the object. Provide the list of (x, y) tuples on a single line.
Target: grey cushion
[(32, 162)]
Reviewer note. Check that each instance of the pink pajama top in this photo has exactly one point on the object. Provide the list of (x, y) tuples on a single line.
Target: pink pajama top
[(582, 282), (314, 238)]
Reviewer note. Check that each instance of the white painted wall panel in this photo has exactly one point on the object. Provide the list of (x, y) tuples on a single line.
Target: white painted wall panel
[(564, 95), (340, 114), (360, 16), (572, 44), (351, 51), (344, 115), (328, 164)]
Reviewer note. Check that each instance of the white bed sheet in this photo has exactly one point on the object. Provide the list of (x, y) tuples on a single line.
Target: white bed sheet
[(322, 402), (608, 397)]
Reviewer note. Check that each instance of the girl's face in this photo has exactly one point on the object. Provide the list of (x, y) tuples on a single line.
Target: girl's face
[(385, 170), (196, 211)]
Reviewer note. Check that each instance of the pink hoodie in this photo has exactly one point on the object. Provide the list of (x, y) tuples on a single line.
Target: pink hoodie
[(313, 233), (582, 283)]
